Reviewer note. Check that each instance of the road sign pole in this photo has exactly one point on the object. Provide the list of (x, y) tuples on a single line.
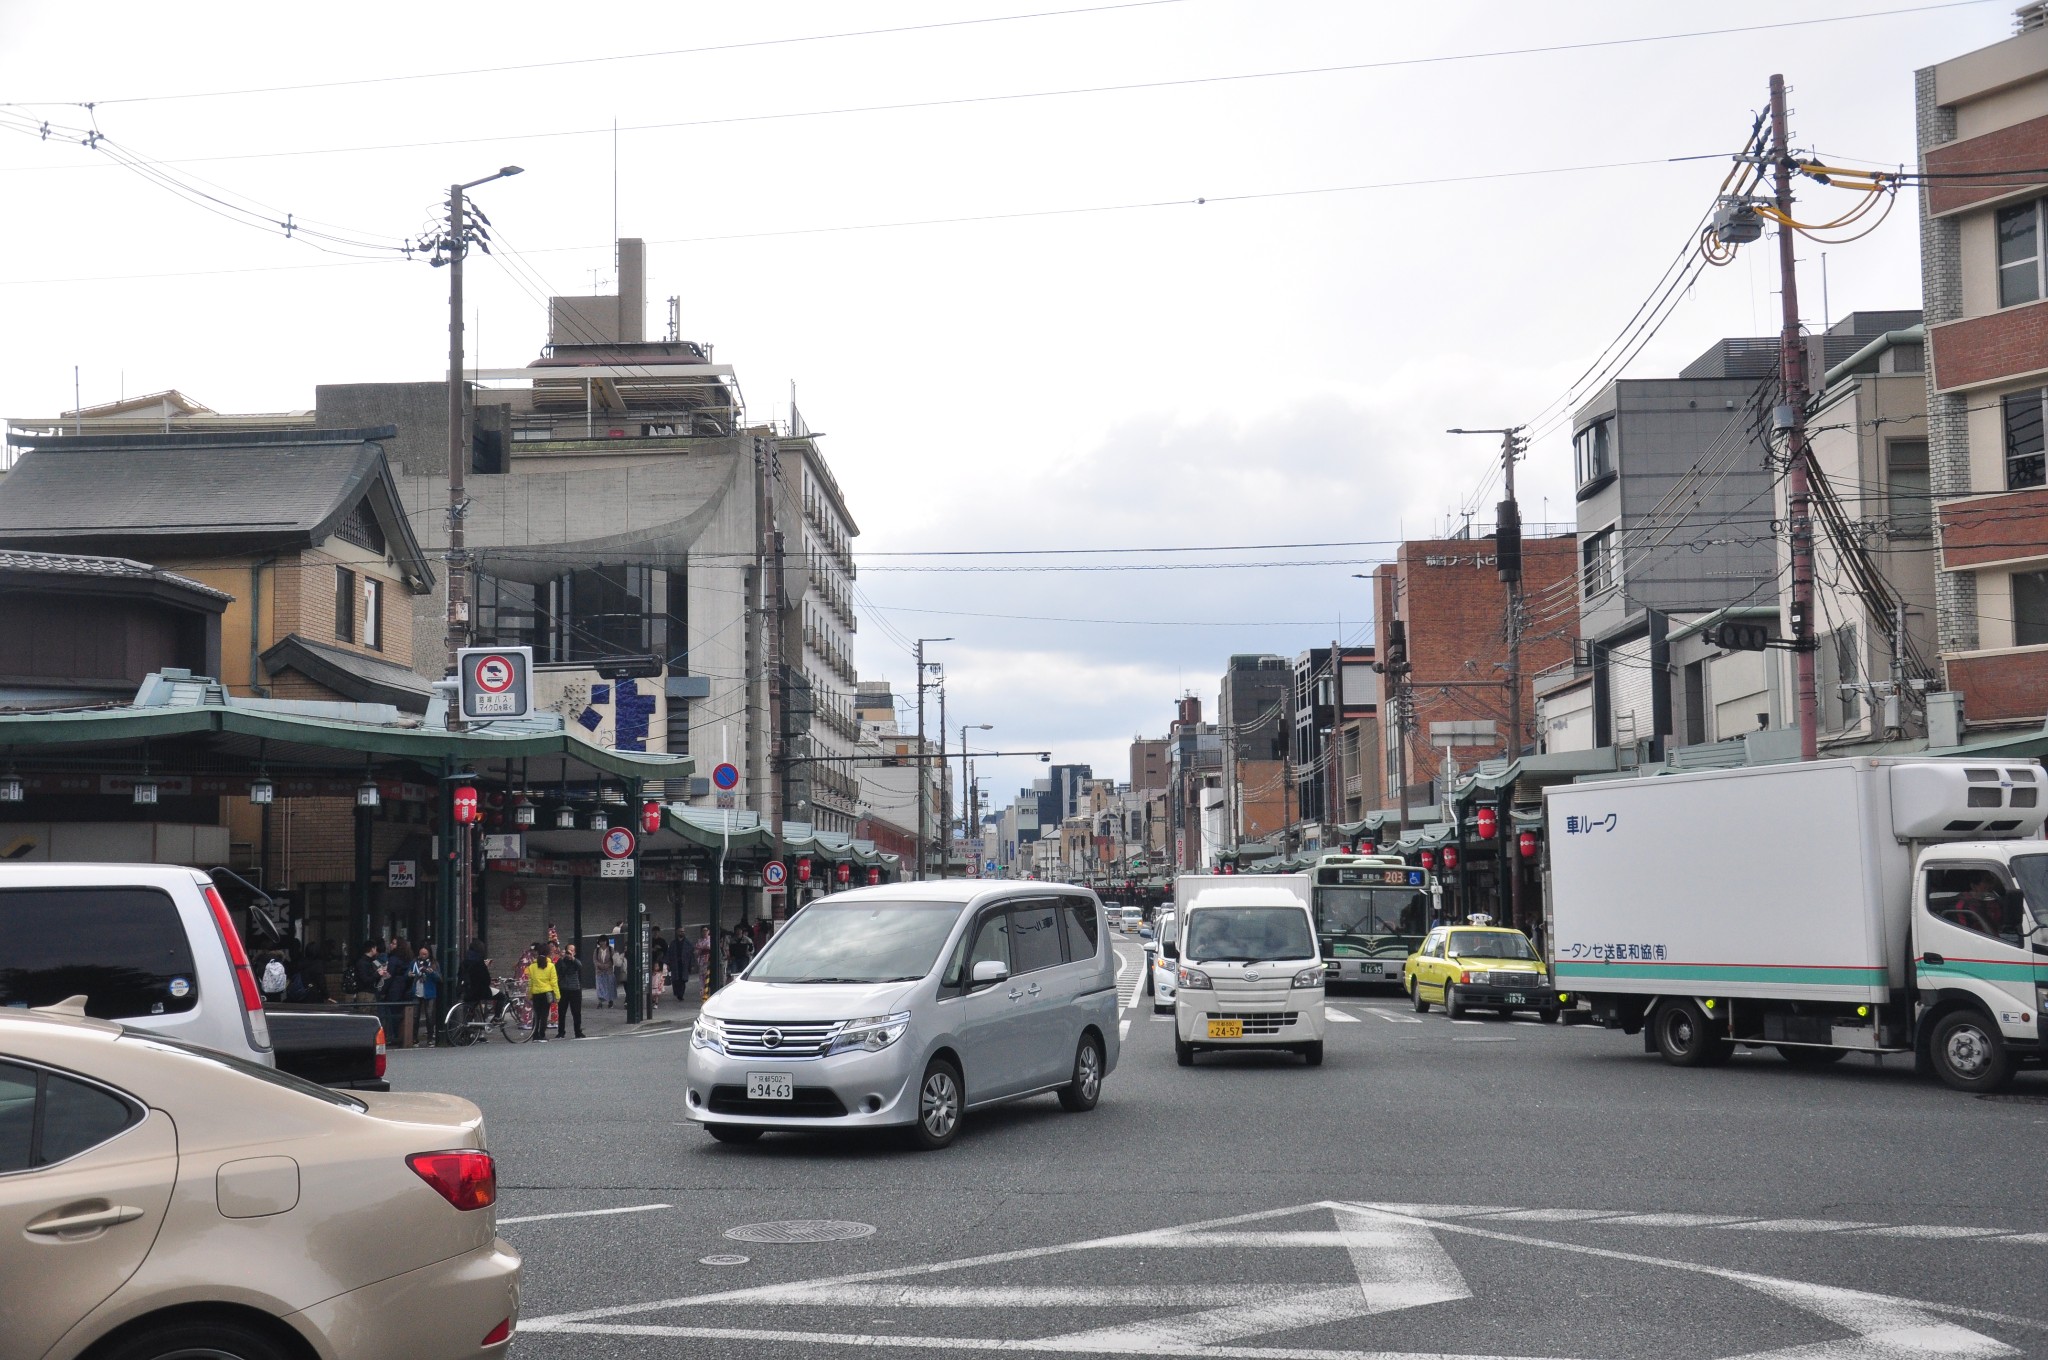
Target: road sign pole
[(636, 927)]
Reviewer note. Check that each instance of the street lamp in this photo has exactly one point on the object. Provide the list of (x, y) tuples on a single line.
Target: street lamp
[(450, 252)]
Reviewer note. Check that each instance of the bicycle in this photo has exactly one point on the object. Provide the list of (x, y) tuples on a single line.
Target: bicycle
[(510, 1013)]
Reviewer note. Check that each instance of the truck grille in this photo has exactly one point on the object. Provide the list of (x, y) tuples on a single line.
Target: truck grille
[(1259, 1022), (750, 1038)]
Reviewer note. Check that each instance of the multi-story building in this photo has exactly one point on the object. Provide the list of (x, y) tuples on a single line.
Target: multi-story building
[(1251, 715), (1983, 137), (1448, 595), (1148, 762), (1195, 764)]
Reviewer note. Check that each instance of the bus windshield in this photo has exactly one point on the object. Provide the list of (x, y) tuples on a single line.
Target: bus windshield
[(1370, 920)]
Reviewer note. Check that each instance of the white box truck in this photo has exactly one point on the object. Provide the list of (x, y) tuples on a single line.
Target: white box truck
[(1859, 905)]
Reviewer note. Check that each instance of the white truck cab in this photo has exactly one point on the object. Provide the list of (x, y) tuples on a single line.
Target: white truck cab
[(1250, 974), (1863, 904)]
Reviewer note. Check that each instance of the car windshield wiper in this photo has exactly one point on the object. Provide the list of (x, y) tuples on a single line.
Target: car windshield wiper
[(820, 979)]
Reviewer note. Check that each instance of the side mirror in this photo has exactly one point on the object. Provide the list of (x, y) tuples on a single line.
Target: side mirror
[(988, 971), (1169, 949)]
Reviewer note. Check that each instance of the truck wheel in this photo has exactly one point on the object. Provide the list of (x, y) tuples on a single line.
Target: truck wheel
[(1312, 1054), (1687, 1038), (1415, 995), (1183, 1052), (1811, 1057), (1453, 1008), (1968, 1052), (1549, 1015)]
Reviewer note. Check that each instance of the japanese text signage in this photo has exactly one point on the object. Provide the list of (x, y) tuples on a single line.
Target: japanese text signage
[(496, 682)]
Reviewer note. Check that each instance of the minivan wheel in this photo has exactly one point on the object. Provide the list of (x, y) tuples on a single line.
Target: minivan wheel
[(1086, 1087), (1183, 1052), (222, 1339), (938, 1106), (733, 1133), (1968, 1052)]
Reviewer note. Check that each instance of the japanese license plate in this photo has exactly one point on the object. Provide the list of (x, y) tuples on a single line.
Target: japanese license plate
[(1517, 999), (1226, 1029), (1370, 969), (770, 1086)]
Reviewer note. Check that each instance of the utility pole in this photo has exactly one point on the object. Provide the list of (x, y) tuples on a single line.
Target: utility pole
[(924, 813), (946, 796), (1790, 420), (1394, 665), (450, 251), (769, 561)]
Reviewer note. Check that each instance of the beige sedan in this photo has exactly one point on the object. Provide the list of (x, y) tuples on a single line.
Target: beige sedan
[(158, 1199)]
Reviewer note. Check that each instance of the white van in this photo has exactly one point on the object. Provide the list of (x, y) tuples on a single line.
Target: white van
[(1250, 975), (1133, 917), (1162, 960)]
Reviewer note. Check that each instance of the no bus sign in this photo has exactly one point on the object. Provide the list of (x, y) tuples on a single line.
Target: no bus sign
[(496, 682)]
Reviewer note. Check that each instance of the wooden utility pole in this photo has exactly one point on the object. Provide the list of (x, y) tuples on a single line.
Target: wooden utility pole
[(1790, 421)]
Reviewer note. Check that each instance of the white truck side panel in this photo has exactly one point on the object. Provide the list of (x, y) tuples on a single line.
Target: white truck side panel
[(1185, 886), (1766, 882)]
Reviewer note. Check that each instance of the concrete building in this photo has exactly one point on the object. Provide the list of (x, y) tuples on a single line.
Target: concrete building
[(1251, 715), (1148, 762), (1195, 763), (1983, 119)]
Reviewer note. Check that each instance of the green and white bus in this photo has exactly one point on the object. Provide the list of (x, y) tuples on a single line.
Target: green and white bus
[(1371, 913)]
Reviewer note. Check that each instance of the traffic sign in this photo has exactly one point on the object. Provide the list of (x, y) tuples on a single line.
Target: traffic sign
[(618, 843), (773, 874), (496, 682), (726, 776)]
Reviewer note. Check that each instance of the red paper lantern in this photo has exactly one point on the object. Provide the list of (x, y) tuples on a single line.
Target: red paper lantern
[(844, 873), (650, 817), (1367, 848), (1488, 822), (1526, 843), (874, 876), (466, 809), (1450, 857), (803, 869), (1429, 859)]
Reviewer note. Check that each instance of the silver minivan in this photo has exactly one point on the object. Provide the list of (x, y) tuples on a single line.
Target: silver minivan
[(906, 1005)]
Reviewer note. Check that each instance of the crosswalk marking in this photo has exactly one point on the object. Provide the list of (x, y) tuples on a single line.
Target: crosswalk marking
[(1340, 1017), (1621, 1218)]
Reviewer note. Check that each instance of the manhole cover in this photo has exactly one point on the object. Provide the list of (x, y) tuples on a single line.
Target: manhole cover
[(800, 1230), (721, 1260)]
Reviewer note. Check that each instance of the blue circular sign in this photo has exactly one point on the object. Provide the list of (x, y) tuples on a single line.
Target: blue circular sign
[(726, 776)]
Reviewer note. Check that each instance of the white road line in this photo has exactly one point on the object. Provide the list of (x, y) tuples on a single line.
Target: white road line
[(1340, 1017), (1028, 1295), (1394, 1019), (1123, 1030), (585, 1213), (1611, 1218)]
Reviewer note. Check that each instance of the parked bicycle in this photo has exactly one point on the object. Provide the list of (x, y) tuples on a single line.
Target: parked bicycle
[(509, 1011)]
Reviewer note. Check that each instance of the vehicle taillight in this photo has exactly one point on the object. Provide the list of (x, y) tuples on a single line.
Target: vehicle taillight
[(252, 997), (467, 1179), (380, 1052)]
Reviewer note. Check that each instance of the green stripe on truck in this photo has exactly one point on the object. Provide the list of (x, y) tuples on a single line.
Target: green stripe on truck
[(1841, 975)]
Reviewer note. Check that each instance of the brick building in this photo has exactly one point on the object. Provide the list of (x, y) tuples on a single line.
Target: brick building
[(1450, 596), (1984, 284)]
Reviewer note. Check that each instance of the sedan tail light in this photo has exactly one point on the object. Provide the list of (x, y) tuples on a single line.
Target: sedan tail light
[(381, 1049), (466, 1179), (497, 1334)]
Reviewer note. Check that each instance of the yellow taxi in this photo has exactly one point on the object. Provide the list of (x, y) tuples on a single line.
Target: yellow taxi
[(1479, 966)]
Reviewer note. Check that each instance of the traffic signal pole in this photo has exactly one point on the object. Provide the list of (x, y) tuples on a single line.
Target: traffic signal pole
[(1791, 422)]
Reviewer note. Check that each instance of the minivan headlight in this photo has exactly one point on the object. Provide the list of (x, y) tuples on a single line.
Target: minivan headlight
[(1194, 979), (871, 1035), (1309, 977), (708, 1033)]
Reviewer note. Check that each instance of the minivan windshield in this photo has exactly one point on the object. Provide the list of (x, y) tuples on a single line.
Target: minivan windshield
[(866, 941), (1247, 934)]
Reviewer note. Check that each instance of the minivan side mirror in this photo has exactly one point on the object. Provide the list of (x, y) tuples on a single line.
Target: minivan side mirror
[(988, 971)]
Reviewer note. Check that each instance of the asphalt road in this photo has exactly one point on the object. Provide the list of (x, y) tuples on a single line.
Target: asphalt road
[(1473, 1188)]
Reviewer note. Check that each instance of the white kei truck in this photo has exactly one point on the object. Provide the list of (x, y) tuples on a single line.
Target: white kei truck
[(1869, 904)]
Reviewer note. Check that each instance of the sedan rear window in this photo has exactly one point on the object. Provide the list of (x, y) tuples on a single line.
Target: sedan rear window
[(123, 949)]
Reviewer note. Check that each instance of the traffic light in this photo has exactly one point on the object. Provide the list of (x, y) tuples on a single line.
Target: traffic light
[(1741, 637)]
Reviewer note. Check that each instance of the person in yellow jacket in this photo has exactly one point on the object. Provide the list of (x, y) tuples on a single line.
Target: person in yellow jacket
[(544, 988)]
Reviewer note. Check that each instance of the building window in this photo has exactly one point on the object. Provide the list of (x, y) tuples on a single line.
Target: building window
[(1594, 449), (2019, 254), (1600, 561), (588, 615), (1849, 673), (2023, 443), (1910, 509), (344, 604), (2029, 608), (373, 613)]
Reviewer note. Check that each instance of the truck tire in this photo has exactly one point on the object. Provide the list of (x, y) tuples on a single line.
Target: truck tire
[(1183, 1052), (1686, 1038), (1968, 1052), (1811, 1057), (1312, 1054)]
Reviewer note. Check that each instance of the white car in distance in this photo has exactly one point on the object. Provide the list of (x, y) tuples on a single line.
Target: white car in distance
[(1162, 961)]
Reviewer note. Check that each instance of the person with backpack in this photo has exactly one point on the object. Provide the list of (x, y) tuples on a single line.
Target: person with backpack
[(365, 975)]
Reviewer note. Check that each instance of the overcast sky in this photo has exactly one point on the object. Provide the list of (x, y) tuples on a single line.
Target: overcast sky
[(1069, 370)]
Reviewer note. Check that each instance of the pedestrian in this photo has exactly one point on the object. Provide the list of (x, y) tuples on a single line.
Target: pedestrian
[(655, 978), (542, 987), (364, 976), (601, 968), (395, 991), (618, 970), (679, 970), (426, 992), (703, 952), (474, 979), (569, 975)]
